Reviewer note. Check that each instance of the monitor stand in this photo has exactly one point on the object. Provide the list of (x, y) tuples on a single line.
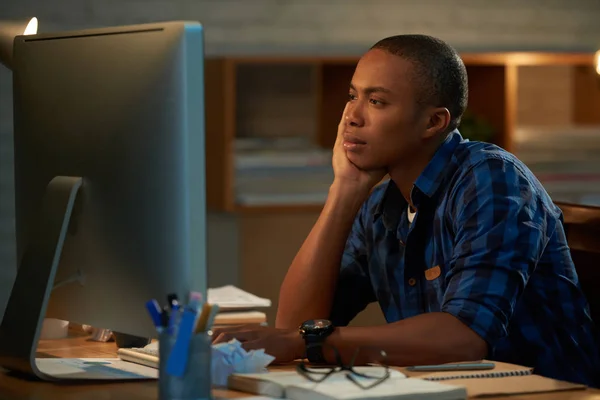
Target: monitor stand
[(28, 302), (26, 308)]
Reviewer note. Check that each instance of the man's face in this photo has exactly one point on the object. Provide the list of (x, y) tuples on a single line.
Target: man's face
[(384, 121)]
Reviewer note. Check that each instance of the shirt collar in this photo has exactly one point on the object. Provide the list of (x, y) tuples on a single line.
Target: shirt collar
[(434, 173), (393, 204)]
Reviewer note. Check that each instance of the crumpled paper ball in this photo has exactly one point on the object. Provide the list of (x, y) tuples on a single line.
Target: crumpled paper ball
[(230, 357)]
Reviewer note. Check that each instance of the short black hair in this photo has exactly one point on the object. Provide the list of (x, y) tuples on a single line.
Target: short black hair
[(438, 69)]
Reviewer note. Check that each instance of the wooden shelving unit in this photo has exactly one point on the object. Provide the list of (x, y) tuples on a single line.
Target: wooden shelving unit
[(313, 90)]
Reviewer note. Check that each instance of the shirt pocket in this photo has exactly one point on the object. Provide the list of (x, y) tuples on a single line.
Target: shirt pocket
[(434, 287)]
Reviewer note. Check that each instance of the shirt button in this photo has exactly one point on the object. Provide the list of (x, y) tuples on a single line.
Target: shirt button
[(412, 281)]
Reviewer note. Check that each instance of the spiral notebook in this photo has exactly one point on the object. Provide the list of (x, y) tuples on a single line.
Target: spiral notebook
[(505, 379), (500, 370)]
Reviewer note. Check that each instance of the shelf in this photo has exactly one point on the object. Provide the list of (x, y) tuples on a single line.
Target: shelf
[(278, 208), (302, 97)]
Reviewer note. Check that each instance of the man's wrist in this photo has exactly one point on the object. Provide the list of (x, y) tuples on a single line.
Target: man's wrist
[(299, 346), (347, 196)]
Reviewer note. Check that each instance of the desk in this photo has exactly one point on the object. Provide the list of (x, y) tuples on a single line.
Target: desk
[(18, 388)]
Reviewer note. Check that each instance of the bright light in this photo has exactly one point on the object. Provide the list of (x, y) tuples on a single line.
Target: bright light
[(32, 27)]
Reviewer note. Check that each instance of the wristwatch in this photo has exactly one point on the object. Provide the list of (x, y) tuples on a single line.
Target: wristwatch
[(314, 332)]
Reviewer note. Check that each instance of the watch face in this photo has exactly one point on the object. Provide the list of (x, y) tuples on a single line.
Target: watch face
[(316, 327)]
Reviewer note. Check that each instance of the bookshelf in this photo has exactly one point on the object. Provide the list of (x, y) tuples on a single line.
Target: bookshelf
[(271, 120)]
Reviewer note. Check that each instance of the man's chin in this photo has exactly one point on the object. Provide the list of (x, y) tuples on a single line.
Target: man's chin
[(364, 165)]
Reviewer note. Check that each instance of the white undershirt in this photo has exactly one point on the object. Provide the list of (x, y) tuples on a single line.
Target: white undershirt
[(411, 215)]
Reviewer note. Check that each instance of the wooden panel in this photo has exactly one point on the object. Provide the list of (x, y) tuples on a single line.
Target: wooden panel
[(220, 124), (511, 82), (268, 244), (335, 81), (276, 100), (544, 95), (586, 95), (492, 58), (527, 58), (280, 208), (487, 98)]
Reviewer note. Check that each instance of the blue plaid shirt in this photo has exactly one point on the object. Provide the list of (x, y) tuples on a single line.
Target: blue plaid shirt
[(487, 245)]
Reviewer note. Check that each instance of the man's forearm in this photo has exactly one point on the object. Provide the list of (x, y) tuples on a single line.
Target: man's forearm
[(308, 288), (431, 338)]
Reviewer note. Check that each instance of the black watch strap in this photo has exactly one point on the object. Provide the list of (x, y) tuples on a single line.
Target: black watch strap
[(314, 350), (315, 332)]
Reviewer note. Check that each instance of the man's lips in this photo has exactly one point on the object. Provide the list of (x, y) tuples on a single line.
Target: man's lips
[(352, 141)]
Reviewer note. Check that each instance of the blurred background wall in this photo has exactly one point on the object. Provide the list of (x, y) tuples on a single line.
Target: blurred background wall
[(243, 247)]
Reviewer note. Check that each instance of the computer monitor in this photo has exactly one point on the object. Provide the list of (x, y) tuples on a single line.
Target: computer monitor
[(109, 179)]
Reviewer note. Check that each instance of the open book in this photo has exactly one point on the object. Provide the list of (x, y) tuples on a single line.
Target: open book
[(293, 386)]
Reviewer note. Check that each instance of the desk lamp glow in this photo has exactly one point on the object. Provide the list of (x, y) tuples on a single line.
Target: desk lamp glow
[(597, 62), (8, 31)]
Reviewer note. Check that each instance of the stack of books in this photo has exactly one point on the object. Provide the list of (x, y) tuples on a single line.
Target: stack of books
[(237, 307), (281, 171)]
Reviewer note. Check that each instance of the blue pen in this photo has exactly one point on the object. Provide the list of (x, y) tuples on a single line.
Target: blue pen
[(173, 318), (155, 313), (177, 362)]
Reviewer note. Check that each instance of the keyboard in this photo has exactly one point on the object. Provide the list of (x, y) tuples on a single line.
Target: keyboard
[(140, 355)]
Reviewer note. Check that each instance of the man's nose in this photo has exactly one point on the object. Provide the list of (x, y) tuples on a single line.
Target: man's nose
[(355, 115)]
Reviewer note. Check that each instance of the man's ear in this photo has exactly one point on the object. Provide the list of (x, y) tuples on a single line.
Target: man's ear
[(438, 121)]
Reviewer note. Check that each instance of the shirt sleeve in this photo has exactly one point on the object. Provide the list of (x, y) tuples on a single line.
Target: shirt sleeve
[(500, 224), (354, 291)]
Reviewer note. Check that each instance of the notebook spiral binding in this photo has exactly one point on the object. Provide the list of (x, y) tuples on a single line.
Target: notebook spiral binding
[(481, 375)]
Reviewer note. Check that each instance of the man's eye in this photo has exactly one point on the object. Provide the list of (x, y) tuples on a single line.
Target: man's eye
[(351, 96), (376, 102)]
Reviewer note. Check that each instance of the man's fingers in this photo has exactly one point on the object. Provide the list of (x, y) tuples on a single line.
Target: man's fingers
[(253, 345), (241, 336), (342, 123), (233, 328), (341, 127)]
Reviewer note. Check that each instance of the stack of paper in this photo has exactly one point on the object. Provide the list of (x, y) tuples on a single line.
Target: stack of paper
[(237, 306)]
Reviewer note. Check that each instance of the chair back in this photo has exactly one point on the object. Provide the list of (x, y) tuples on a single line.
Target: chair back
[(582, 226)]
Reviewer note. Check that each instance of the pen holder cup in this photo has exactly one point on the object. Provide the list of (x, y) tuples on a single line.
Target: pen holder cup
[(196, 382)]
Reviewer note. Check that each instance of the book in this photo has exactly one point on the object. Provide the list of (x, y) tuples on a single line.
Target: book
[(230, 298), (293, 386), (239, 317)]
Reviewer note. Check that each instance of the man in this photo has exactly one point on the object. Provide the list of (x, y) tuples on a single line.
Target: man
[(462, 248)]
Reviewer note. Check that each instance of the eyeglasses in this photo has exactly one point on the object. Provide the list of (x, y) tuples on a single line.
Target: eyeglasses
[(364, 377)]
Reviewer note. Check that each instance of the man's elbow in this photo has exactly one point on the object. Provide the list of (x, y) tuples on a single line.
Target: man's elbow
[(464, 342), (477, 349)]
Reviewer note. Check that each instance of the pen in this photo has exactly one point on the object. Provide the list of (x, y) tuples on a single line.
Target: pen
[(178, 358), (211, 317), (172, 300), (174, 316), (453, 367), (195, 300), (155, 313), (164, 317), (203, 319)]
